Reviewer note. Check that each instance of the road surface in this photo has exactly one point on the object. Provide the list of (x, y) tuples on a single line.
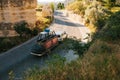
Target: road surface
[(19, 58), (73, 28)]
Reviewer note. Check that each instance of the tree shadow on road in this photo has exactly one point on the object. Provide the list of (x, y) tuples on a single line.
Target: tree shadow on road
[(66, 23)]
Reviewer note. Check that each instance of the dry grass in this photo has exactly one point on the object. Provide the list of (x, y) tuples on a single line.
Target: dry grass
[(101, 62), (97, 67)]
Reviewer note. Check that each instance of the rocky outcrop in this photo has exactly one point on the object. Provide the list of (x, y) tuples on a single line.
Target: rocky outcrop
[(17, 3), (12, 11)]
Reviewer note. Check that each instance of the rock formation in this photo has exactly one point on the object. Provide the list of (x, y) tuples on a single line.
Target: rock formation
[(12, 11)]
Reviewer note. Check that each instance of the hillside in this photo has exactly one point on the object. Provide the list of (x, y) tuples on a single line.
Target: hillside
[(98, 61)]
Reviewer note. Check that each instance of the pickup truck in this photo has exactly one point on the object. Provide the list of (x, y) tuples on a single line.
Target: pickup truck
[(45, 42)]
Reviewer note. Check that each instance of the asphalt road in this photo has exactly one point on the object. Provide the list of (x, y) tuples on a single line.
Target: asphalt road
[(62, 23), (19, 58), (71, 27)]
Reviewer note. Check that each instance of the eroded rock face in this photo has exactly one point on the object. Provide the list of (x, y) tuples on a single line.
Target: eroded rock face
[(12, 11), (17, 3)]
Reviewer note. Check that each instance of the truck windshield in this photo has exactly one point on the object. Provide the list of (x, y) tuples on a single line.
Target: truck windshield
[(42, 36)]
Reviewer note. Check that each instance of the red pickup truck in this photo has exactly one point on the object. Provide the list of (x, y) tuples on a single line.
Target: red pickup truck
[(45, 42)]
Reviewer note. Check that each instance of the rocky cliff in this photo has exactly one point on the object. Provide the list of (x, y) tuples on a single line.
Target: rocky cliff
[(12, 11)]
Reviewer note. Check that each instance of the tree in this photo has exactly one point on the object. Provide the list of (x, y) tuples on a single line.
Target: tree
[(63, 6), (60, 6)]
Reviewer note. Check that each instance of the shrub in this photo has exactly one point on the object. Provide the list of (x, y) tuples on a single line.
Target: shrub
[(79, 47), (77, 7), (22, 28), (96, 15), (35, 31), (75, 44), (60, 6), (9, 42), (5, 44), (112, 29), (42, 24)]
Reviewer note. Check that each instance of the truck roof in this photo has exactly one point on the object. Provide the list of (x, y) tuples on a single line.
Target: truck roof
[(43, 33)]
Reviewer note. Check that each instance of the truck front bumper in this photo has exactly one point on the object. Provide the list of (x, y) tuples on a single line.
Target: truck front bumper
[(37, 54)]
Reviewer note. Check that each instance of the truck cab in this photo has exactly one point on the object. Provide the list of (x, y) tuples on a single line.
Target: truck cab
[(42, 36)]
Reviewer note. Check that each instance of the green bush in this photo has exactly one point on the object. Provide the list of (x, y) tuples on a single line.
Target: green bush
[(75, 44), (22, 28), (79, 47), (112, 29), (35, 31), (100, 23), (5, 44), (60, 6)]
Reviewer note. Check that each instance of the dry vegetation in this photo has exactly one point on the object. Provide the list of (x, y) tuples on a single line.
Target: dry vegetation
[(100, 62), (44, 17)]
